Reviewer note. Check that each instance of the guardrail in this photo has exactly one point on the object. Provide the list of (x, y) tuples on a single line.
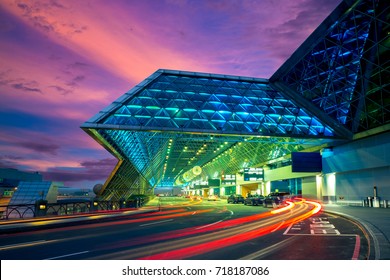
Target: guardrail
[(42, 208)]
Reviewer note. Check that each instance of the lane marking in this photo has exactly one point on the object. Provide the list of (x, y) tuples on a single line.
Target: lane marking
[(154, 223), (208, 225), (269, 249), (323, 234), (68, 255)]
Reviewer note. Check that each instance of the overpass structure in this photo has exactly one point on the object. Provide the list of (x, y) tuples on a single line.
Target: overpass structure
[(332, 96)]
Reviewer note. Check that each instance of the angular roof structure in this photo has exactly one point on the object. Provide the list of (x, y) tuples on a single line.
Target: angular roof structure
[(343, 68), (336, 84)]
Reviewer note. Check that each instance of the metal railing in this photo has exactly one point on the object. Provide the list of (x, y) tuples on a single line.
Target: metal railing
[(42, 208)]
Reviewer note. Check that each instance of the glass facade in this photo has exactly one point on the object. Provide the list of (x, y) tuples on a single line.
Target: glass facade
[(30, 192), (343, 68), (334, 85)]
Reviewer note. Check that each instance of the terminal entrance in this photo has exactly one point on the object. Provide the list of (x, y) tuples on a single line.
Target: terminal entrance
[(251, 189)]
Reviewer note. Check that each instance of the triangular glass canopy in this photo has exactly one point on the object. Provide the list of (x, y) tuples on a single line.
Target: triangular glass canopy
[(176, 120)]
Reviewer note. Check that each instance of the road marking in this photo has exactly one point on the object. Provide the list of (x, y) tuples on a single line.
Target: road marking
[(209, 224), (355, 255), (270, 249), (317, 226), (68, 255), (154, 223)]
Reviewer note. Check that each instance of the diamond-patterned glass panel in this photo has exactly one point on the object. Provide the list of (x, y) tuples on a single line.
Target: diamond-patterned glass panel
[(346, 73), (214, 105)]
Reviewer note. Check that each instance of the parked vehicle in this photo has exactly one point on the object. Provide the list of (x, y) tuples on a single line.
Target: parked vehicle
[(213, 197), (254, 200), (275, 199), (235, 198)]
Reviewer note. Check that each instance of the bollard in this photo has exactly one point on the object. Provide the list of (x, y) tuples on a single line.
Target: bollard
[(94, 205), (122, 203), (369, 199), (376, 202), (385, 203), (40, 208)]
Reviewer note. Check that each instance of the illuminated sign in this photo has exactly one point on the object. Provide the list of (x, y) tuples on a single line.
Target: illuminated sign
[(8, 193), (228, 179), (253, 174)]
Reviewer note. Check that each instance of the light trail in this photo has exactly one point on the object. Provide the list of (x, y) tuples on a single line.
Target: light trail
[(189, 242), (205, 247), (24, 244), (209, 225), (158, 222), (223, 239)]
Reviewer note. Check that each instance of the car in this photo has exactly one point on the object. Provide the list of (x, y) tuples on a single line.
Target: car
[(254, 200), (235, 198), (213, 197), (275, 199)]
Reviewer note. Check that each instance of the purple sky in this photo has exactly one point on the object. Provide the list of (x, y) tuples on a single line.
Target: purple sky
[(61, 62)]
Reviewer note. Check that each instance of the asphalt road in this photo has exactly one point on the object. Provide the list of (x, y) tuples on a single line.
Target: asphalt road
[(196, 229)]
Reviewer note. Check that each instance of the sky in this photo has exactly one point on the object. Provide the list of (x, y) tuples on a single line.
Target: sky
[(62, 61)]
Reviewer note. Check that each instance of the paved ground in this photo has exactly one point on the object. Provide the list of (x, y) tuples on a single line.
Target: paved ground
[(375, 220)]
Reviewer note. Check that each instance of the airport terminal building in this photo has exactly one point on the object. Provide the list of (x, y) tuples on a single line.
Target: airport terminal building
[(318, 127)]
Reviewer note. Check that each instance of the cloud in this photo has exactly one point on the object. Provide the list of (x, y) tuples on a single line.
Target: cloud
[(305, 16), (42, 148), (27, 86), (20, 84), (89, 170), (99, 164), (8, 161)]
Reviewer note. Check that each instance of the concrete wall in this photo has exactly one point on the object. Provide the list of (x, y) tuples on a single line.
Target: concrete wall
[(309, 187), (367, 153), (357, 168), (356, 185), (285, 173)]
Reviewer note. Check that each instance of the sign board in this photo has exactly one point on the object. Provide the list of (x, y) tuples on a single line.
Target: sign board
[(228, 179), (253, 174)]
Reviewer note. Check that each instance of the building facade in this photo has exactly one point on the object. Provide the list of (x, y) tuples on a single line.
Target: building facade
[(332, 97)]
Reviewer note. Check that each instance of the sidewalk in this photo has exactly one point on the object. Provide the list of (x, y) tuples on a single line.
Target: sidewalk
[(375, 220)]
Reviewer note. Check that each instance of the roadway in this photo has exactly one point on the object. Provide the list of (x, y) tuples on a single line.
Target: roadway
[(198, 229)]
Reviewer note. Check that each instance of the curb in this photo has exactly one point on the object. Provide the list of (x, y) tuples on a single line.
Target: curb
[(376, 237)]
